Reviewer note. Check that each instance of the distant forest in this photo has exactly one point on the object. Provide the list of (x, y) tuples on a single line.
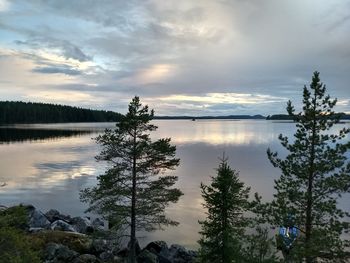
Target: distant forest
[(28, 112), (343, 116), (229, 117)]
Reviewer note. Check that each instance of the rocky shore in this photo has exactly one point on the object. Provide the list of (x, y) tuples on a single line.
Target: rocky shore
[(82, 240)]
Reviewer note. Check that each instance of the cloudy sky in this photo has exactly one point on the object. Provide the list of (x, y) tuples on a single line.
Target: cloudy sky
[(194, 57)]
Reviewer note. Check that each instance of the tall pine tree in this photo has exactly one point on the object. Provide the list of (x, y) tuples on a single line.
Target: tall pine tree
[(132, 192), (226, 199), (315, 174)]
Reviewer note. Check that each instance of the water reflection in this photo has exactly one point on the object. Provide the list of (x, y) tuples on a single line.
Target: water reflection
[(50, 172), (9, 135), (218, 132)]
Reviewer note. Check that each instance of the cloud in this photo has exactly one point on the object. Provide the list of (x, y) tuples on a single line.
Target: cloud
[(4, 5), (58, 70), (219, 98), (181, 56), (65, 48)]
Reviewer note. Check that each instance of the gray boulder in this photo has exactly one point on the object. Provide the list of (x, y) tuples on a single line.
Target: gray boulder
[(98, 224), (106, 256), (56, 253), (179, 254), (53, 215), (158, 247), (82, 224), (62, 226), (36, 218)]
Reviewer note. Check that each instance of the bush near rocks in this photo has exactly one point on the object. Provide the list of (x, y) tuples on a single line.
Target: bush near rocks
[(14, 244), (15, 216), (15, 247), (75, 241)]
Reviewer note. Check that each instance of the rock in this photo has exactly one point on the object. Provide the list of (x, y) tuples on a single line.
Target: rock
[(147, 257), (62, 226), (160, 248), (36, 229), (36, 218), (86, 258), (59, 253), (179, 254), (162, 259), (53, 215), (82, 225), (98, 224), (157, 246), (106, 256)]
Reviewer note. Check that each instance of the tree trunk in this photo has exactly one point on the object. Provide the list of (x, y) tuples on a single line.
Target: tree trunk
[(308, 223), (309, 203), (132, 256)]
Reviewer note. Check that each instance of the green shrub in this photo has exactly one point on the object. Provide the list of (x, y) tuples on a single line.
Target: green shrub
[(15, 247), (15, 216), (74, 241)]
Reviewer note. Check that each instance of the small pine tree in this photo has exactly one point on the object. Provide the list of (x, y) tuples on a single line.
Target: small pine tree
[(226, 199), (315, 174), (131, 192)]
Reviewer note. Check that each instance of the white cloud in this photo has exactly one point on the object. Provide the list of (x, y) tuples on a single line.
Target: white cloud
[(223, 98), (4, 5)]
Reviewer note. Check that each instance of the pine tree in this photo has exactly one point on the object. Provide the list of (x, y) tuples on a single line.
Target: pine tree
[(132, 192), (226, 199), (315, 174)]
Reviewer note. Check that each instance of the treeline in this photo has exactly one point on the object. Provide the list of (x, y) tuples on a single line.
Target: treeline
[(342, 116), (29, 112), (229, 117)]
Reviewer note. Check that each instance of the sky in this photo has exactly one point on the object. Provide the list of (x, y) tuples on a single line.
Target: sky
[(182, 57)]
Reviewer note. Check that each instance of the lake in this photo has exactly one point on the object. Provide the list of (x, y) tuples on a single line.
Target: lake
[(48, 164)]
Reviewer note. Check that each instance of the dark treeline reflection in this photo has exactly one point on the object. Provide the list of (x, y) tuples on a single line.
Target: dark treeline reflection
[(8, 135)]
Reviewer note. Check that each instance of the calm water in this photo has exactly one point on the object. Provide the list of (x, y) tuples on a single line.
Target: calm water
[(47, 165)]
